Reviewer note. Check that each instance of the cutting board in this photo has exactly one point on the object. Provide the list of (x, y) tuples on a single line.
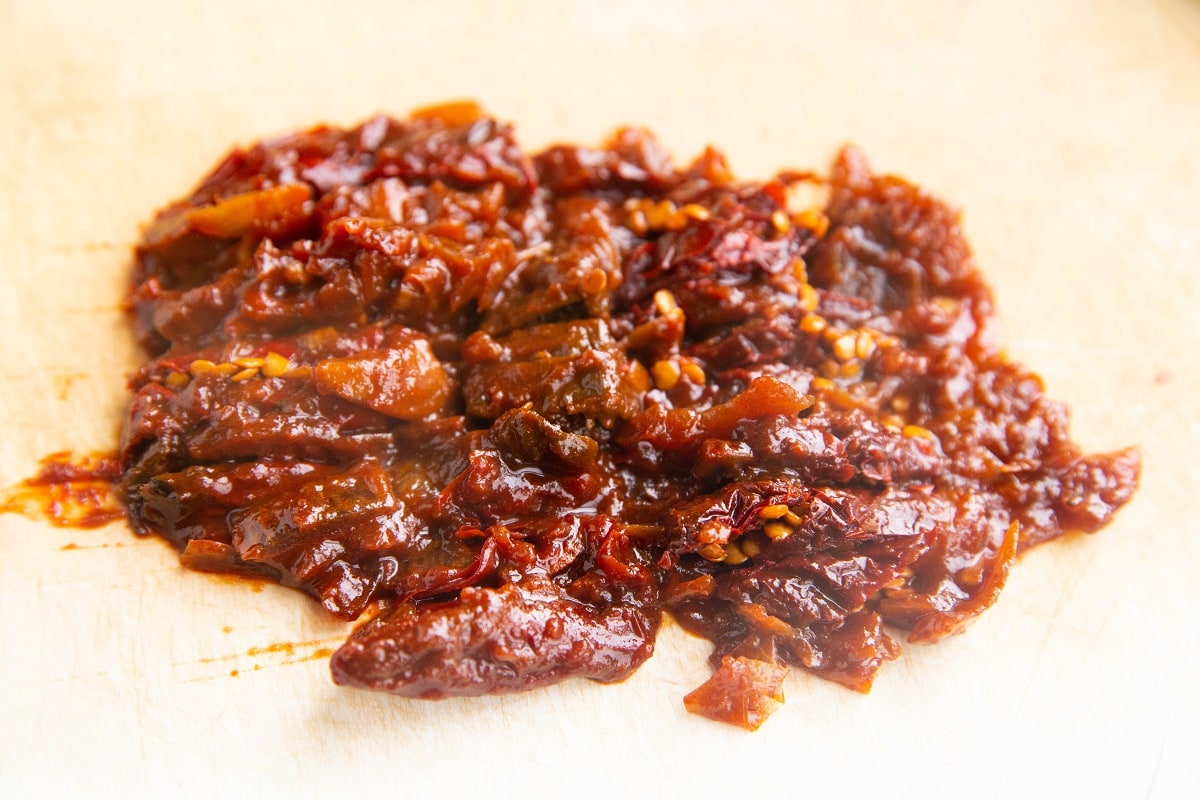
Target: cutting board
[(1068, 131)]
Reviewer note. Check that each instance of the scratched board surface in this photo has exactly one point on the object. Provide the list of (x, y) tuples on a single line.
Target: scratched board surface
[(1069, 132)]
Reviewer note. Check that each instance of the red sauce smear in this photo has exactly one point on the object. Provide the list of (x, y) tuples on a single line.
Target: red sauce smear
[(69, 491)]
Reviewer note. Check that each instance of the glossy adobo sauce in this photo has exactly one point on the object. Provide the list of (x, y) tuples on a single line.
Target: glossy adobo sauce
[(514, 407)]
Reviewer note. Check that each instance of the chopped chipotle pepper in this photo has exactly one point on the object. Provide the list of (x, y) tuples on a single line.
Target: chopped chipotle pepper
[(512, 408)]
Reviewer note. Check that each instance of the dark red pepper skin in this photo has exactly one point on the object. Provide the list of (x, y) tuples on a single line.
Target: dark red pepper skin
[(513, 408)]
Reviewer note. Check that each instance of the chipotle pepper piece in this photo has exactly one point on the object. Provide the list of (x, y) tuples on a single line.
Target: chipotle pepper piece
[(405, 380), (518, 406)]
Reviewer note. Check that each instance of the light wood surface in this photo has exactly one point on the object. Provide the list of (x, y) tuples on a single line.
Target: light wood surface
[(1069, 132)]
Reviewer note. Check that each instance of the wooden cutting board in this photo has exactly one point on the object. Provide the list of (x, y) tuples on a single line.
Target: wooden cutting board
[(1070, 133)]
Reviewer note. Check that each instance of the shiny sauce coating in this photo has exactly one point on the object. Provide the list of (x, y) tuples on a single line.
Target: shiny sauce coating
[(513, 408)]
